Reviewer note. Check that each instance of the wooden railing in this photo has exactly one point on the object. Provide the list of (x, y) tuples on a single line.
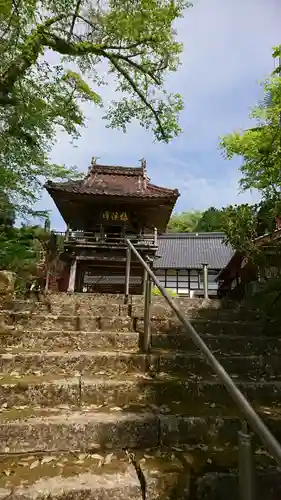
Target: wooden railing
[(107, 239)]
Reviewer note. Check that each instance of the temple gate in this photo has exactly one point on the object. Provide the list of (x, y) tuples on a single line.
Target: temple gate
[(111, 202)]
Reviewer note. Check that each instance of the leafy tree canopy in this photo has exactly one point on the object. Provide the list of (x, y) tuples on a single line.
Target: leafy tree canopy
[(7, 212), (210, 221), (260, 150), (134, 38), (199, 222), (185, 222), (21, 251), (260, 146)]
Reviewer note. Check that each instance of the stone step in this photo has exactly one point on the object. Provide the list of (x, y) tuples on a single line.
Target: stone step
[(189, 365), (207, 311), (96, 476), (213, 327), (181, 396), (82, 430), (114, 305), (51, 339), (61, 300), (123, 341), (87, 429), (34, 361), (195, 313), (227, 345), (46, 307), (219, 486), (35, 321), (239, 366), (80, 322), (99, 474), (219, 327)]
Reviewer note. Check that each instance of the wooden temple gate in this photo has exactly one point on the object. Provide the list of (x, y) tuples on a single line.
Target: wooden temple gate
[(109, 204)]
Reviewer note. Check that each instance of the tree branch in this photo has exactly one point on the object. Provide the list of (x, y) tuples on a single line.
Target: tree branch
[(137, 66), (138, 92), (40, 38), (31, 50), (30, 53), (75, 16)]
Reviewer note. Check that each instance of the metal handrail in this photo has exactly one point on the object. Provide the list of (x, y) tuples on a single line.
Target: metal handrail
[(253, 419)]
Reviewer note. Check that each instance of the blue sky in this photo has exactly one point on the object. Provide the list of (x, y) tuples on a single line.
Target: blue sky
[(227, 53)]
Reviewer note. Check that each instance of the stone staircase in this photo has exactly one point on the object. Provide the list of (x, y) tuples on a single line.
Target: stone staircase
[(84, 415)]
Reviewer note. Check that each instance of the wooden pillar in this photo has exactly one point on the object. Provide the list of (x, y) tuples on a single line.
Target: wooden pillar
[(67, 233), (205, 277), (72, 276), (47, 279)]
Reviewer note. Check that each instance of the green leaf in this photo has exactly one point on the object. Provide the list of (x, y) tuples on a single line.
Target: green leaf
[(137, 43)]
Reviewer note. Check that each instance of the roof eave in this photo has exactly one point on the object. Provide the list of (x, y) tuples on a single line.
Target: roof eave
[(173, 196)]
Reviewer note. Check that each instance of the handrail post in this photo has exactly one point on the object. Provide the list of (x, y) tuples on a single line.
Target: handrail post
[(155, 237), (146, 322), (127, 277), (145, 278), (205, 280), (245, 464)]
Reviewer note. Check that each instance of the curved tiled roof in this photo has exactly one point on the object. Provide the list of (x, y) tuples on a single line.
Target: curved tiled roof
[(191, 250), (115, 181)]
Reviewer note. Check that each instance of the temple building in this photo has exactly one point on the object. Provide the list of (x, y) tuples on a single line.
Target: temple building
[(181, 257), (109, 203), (112, 202)]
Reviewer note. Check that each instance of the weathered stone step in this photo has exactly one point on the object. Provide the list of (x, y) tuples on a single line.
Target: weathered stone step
[(110, 304), (123, 341), (227, 345), (35, 321), (136, 391), (89, 476), (190, 365), (80, 322), (219, 486), (79, 430), (51, 339), (71, 362), (39, 390), (86, 430), (239, 366), (31, 307), (192, 310), (242, 328), (59, 302), (214, 327)]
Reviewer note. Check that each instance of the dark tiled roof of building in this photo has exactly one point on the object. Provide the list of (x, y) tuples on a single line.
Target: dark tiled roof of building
[(116, 181), (191, 250)]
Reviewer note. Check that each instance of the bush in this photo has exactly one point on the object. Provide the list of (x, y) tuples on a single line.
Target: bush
[(267, 298), (21, 251), (156, 292)]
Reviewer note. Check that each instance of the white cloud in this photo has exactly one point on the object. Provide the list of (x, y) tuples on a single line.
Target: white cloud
[(202, 193)]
